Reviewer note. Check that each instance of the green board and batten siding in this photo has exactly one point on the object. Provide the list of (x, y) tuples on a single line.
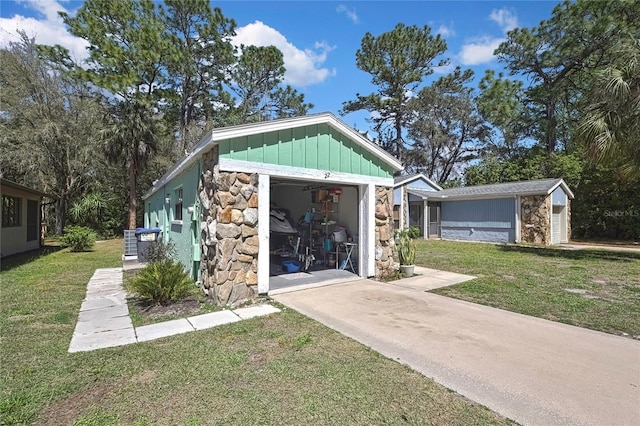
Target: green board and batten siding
[(315, 146)]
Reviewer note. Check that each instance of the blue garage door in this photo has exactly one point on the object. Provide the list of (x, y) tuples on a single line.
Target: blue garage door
[(479, 220)]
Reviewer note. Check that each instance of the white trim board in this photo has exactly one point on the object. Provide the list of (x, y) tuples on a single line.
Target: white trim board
[(301, 173), (264, 199), (422, 176)]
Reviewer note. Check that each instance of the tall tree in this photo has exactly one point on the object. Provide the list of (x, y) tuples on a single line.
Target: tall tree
[(500, 104), (257, 81), (398, 62), (610, 125), (199, 67), (128, 52), (557, 57), (49, 124), (447, 130)]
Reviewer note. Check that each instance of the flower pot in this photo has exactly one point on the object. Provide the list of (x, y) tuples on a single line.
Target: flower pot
[(407, 270)]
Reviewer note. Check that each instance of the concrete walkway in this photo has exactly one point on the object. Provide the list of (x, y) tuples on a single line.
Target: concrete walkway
[(104, 317), (533, 371)]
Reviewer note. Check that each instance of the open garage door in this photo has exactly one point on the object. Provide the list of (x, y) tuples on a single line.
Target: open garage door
[(313, 234)]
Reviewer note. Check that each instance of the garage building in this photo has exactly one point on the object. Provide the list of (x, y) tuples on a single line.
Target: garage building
[(304, 198), (534, 211)]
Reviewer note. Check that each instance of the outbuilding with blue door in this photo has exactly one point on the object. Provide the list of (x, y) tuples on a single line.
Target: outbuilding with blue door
[(535, 211)]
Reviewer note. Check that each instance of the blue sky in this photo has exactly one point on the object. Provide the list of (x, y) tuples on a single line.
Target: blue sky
[(319, 38)]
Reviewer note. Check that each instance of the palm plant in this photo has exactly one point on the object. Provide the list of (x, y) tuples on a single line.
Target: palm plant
[(611, 124), (133, 139)]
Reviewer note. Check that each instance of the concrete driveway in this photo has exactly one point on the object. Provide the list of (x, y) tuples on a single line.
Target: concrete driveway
[(528, 369)]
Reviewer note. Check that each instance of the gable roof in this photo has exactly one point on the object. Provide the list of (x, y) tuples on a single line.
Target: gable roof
[(405, 179), (507, 189), (225, 133), (14, 185)]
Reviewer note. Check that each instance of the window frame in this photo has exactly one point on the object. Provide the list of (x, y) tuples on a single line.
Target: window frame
[(178, 204), (11, 219)]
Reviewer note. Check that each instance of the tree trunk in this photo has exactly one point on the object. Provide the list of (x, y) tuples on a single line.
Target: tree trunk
[(552, 124), (399, 147), (61, 213), (132, 195)]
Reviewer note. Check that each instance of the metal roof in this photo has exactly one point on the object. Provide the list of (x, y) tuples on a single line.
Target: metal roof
[(11, 184), (507, 189)]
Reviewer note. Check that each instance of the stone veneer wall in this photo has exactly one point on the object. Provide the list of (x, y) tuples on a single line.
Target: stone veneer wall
[(535, 213), (229, 267), (384, 233)]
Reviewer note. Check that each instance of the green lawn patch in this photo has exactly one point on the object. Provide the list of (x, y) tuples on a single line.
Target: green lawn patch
[(595, 289), (279, 369)]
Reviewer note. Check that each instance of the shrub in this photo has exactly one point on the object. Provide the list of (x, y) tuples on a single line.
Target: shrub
[(79, 238), (161, 283), (159, 251), (414, 232)]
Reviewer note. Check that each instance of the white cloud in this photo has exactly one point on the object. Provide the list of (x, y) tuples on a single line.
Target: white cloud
[(444, 69), (304, 67), (351, 13), (479, 51), (47, 28), (504, 18), (445, 31)]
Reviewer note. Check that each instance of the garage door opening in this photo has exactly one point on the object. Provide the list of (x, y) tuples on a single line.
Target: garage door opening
[(313, 234)]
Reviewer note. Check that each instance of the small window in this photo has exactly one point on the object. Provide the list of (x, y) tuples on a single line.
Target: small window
[(178, 206), (10, 211)]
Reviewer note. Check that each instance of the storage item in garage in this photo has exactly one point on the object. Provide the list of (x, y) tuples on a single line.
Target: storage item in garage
[(339, 234), (291, 266)]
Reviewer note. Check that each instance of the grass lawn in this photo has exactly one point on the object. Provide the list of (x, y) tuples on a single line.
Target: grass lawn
[(280, 369), (595, 289)]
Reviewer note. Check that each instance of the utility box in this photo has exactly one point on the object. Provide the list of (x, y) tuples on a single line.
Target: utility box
[(144, 238)]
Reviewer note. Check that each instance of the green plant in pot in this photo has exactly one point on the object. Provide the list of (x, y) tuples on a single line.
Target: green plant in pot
[(406, 253)]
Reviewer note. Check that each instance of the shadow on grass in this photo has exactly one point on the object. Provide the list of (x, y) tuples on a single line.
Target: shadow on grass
[(575, 254), (19, 259)]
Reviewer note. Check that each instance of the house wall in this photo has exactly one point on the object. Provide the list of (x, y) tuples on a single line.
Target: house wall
[(559, 197), (397, 195), (491, 220), (229, 267), (384, 242), (316, 146), (421, 185), (348, 212), (568, 220), (14, 238), (183, 234), (282, 196), (535, 219)]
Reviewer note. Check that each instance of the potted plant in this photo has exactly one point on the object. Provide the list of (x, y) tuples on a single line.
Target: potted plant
[(406, 253)]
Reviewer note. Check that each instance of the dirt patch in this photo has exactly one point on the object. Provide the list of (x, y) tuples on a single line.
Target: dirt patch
[(65, 411), (183, 308), (143, 313)]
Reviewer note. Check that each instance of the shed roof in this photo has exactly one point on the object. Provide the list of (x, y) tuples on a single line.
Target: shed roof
[(404, 179), (507, 189), (216, 136), (14, 185)]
